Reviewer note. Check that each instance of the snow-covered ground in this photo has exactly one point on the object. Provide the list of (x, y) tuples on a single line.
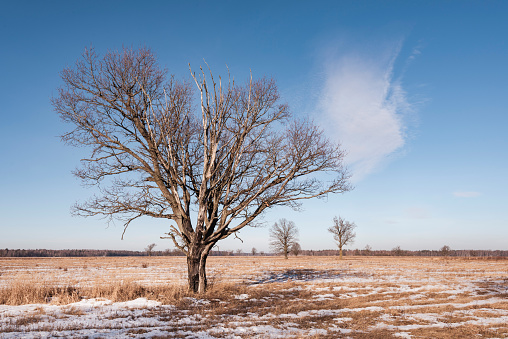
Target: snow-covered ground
[(276, 298)]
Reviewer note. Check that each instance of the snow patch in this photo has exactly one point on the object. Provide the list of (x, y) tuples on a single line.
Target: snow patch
[(242, 296)]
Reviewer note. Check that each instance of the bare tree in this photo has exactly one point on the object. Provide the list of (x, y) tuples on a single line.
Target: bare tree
[(283, 235), (296, 249), (445, 250), (397, 251), (254, 251), (343, 233), (210, 167), (149, 249)]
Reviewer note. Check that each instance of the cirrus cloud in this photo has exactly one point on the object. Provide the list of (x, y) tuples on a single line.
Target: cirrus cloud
[(364, 106)]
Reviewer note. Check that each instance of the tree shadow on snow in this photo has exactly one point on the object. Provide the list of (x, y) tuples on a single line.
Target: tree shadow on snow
[(493, 287), (304, 275)]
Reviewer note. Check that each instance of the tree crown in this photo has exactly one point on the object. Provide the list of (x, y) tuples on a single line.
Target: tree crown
[(217, 151)]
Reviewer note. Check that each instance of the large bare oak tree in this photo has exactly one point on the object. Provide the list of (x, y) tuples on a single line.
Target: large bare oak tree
[(209, 157)]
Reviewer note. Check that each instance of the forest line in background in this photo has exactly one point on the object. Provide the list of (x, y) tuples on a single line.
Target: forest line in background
[(174, 252)]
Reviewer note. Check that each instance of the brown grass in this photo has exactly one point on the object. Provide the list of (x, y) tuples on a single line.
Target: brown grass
[(22, 292), (33, 292)]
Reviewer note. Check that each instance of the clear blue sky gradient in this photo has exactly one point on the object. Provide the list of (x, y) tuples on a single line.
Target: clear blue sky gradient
[(417, 90)]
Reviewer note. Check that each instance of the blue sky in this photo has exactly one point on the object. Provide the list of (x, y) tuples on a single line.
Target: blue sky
[(415, 91)]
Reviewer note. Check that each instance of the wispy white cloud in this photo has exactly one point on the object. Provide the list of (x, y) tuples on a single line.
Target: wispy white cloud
[(466, 194), (415, 52), (363, 106)]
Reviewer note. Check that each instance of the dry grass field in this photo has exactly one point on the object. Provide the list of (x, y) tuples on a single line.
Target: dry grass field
[(254, 297)]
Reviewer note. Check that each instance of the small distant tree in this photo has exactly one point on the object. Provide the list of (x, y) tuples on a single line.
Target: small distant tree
[(149, 249), (254, 251), (239, 251), (283, 235), (343, 233), (445, 251), (367, 250), (473, 253), (397, 251), (296, 249)]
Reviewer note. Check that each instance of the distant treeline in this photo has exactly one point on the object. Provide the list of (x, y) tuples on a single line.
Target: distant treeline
[(420, 253), (174, 252), (84, 253)]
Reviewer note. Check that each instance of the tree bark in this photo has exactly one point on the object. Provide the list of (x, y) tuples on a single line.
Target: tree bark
[(193, 273), (203, 283), (196, 265), (340, 253)]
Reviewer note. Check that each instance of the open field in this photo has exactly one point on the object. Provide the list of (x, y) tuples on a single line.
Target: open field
[(254, 297)]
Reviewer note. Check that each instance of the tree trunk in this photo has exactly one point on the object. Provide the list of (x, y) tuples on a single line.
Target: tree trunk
[(193, 265), (203, 283), (340, 253), (196, 264)]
